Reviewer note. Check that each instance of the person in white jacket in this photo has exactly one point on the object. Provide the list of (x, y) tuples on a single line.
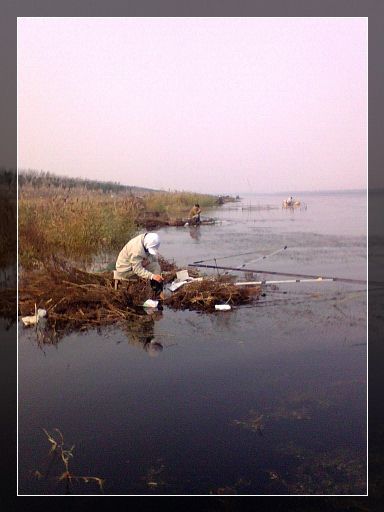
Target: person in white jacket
[(140, 257)]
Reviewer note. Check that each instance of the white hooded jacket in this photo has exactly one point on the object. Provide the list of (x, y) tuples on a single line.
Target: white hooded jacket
[(131, 258)]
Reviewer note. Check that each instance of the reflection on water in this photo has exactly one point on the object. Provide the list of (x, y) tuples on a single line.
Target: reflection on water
[(268, 399), (141, 331), (195, 232)]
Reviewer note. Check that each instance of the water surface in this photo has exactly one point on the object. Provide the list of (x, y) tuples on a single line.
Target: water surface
[(265, 399)]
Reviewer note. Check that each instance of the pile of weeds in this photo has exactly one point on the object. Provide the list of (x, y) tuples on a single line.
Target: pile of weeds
[(75, 299), (79, 300), (204, 295)]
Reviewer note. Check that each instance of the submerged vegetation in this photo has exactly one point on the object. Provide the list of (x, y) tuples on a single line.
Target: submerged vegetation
[(61, 455)]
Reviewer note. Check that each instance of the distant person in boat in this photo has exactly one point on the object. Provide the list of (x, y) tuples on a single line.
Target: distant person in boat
[(139, 257), (194, 214), (290, 201)]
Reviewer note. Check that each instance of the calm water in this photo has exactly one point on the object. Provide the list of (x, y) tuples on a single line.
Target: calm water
[(268, 399)]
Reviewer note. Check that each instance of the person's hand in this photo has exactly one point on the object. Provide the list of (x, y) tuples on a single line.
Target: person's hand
[(158, 278)]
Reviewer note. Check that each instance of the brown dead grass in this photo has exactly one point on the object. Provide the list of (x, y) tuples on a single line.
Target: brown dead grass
[(79, 300), (204, 295)]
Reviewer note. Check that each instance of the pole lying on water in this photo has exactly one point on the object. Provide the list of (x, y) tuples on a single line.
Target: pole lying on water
[(283, 281), (271, 272)]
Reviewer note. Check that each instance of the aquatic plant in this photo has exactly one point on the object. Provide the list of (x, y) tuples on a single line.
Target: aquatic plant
[(64, 455)]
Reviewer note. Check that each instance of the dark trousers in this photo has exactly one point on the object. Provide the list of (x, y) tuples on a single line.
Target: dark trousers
[(156, 286)]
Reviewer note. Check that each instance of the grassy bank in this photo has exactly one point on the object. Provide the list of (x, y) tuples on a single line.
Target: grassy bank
[(77, 223)]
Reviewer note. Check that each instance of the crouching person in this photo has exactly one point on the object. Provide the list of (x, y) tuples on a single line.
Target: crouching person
[(194, 215), (139, 257)]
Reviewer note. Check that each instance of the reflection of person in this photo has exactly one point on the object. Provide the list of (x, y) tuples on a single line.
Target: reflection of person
[(195, 232), (153, 348), (194, 214), (141, 332), (139, 257)]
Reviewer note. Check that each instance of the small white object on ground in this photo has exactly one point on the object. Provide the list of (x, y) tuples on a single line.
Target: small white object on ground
[(149, 303), (222, 307)]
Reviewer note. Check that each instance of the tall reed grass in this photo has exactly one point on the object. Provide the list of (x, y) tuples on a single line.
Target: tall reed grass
[(175, 202), (74, 228), (78, 224)]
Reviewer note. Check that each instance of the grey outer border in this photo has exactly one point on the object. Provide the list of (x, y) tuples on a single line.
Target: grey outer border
[(374, 10)]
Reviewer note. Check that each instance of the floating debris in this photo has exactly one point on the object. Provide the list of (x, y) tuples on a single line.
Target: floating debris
[(34, 319), (222, 307)]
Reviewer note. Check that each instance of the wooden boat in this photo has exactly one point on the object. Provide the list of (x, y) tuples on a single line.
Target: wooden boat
[(187, 222)]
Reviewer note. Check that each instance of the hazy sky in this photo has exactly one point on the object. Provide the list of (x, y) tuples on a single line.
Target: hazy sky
[(203, 104)]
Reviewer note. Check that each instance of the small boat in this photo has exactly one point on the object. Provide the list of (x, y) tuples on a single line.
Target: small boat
[(203, 222), (293, 203)]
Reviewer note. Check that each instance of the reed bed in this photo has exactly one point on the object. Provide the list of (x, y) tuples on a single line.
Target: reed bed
[(74, 228), (79, 224), (172, 202)]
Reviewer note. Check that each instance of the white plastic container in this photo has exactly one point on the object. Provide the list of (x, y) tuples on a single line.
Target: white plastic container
[(222, 307)]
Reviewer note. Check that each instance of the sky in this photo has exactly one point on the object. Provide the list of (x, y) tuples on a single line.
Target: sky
[(215, 105)]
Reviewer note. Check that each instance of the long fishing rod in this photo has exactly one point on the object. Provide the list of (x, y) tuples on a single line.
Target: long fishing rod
[(308, 276), (241, 254)]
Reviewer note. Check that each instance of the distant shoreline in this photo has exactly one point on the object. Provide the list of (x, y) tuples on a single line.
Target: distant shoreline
[(305, 192)]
